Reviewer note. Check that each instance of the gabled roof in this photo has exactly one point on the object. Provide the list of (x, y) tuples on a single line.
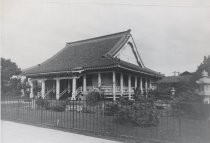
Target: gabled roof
[(85, 55)]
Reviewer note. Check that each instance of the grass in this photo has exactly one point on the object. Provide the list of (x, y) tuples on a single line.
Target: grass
[(170, 129)]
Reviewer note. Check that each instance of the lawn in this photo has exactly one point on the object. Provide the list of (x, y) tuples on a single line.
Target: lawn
[(170, 128)]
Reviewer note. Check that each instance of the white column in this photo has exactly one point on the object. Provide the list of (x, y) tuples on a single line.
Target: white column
[(141, 85), (135, 82), (74, 83), (57, 88), (84, 84), (99, 79), (114, 85), (121, 84), (69, 86), (31, 88), (43, 88), (150, 84), (129, 86), (54, 87), (146, 86)]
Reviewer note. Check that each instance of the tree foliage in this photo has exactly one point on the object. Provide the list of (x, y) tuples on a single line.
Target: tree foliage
[(8, 69), (185, 91), (205, 65)]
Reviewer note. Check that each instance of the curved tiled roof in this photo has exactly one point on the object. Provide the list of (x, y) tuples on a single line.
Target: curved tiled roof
[(84, 55)]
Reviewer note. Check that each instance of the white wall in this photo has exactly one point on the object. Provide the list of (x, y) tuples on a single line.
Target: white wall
[(126, 54)]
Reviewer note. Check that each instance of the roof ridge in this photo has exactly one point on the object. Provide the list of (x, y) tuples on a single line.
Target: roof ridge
[(100, 37)]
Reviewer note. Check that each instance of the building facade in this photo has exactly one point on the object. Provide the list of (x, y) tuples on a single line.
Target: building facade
[(110, 63)]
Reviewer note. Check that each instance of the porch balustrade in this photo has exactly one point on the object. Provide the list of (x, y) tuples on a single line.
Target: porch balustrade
[(48, 92), (63, 92), (79, 90), (108, 90)]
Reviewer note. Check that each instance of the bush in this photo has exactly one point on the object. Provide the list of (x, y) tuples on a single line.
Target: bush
[(58, 108), (11, 94), (94, 97), (191, 104), (111, 109), (54, 106), (193, 110), (42, 103), (141, 114)]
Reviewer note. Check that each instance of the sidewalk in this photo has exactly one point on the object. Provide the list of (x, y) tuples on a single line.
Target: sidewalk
[(21, 133)]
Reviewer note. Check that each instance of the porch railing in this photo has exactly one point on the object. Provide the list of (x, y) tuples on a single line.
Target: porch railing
[(63, 92), (108, 90), (48, 92), (79, 91)]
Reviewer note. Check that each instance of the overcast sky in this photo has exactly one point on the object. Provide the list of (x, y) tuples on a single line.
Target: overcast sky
[(172, 35)]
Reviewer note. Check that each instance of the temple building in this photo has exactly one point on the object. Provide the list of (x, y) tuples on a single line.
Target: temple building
[(111, 63)]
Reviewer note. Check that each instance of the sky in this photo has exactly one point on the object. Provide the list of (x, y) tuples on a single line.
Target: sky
[(171, 35)]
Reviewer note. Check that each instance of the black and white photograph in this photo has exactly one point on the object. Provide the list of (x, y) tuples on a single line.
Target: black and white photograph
[(105, 71)]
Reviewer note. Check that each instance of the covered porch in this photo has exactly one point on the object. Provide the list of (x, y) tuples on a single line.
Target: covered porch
[(112, 84)]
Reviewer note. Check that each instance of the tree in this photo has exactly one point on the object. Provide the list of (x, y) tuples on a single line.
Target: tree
[(186, 91), (205, 65), (8, 69)]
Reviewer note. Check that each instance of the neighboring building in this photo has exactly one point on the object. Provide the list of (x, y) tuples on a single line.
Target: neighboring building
[(111, 63)]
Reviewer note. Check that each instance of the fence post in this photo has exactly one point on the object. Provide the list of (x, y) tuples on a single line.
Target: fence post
[(73, 113), (41, 112), (97, 112), (117, 119), (180, 124), (18, 112)]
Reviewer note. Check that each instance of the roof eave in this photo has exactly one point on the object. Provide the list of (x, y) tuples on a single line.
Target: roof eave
[(138, 71), (71, 71)]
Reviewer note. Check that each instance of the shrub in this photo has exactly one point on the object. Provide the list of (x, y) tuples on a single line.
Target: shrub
[(87, 110), (50, 105), (94, 97), (110, 109), (42, 103), (191, 104), (141, 114), (58, 108), (193, 110), (11, 94)]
